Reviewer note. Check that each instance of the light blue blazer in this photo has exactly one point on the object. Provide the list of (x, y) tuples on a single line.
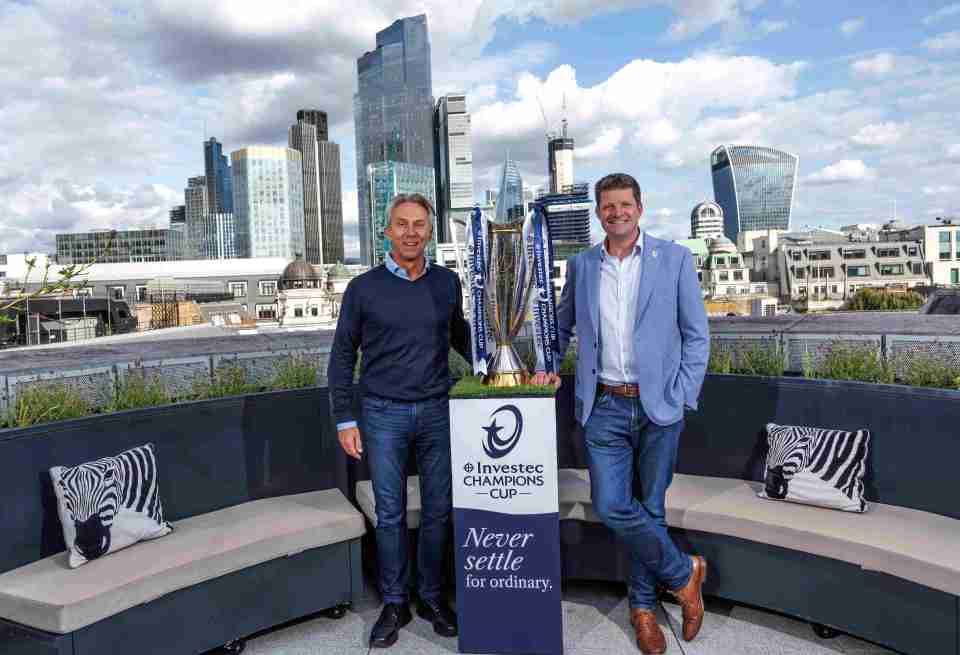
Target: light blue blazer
[(671, 336)]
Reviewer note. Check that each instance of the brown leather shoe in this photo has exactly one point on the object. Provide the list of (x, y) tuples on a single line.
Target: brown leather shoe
[(690, 598), (650, 639)]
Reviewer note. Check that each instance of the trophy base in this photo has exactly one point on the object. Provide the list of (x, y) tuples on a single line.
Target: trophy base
[(506, 369)]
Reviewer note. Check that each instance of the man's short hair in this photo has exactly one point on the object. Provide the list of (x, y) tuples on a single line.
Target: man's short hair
[(617, 181), (416, 199)]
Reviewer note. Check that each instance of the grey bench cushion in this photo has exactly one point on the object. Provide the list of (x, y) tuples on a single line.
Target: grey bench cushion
[(907, 543), (48, 595), (368, 503)]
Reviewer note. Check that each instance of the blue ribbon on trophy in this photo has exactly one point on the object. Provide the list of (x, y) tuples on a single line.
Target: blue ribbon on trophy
[(477, 246), (544, 303)]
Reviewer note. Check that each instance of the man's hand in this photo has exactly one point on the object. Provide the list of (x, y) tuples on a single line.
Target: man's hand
[(542, 379), (351, 442)]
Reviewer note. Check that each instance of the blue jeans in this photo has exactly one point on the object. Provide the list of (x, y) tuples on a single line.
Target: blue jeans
[(389, 429), (628, 454)]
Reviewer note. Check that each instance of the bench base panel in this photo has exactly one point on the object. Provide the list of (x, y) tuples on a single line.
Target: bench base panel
[(206, 616), (881, 608)]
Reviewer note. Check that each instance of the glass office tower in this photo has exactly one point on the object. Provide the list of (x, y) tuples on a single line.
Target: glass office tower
[(387, 179), (510, 196), (393, 110), (219, 182), (303, 139), (268, 202), (755, 186), (453, 161)]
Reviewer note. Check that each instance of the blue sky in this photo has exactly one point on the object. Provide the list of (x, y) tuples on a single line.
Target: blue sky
[(107, 101)]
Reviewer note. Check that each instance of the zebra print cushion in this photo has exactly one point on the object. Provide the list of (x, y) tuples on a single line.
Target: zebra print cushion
[(815, 466), (109, 504)]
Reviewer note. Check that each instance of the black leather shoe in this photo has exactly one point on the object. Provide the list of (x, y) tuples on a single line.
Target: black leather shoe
[(443, 618), (385, 631)]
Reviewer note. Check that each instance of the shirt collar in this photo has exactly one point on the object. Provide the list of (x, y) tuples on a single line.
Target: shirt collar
[(637, 247), (399, 271)]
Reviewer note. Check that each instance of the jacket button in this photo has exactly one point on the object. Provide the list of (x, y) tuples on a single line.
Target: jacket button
[(593, 372)]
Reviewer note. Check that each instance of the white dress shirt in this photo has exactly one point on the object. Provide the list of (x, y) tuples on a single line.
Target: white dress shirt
[(619, 284)]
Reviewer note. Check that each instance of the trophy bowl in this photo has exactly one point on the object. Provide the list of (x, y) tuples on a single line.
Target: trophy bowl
[(510, 273)]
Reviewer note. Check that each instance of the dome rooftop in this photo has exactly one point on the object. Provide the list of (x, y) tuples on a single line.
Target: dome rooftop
[(722, 245), (298, 270)]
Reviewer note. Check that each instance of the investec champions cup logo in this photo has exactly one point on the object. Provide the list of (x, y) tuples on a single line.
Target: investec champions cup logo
[(496, 446)]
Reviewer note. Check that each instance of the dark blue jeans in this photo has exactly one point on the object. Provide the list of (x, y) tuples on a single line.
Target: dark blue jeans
[(631, 463), (389, 430)]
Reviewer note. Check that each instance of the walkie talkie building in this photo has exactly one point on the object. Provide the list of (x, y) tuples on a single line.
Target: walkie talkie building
[(755, 186)]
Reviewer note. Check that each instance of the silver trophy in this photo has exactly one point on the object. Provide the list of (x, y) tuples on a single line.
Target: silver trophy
[(509, 281)]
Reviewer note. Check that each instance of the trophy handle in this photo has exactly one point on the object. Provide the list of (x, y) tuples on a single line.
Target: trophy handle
[(528, 277)]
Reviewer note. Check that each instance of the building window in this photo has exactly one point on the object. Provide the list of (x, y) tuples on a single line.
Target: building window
[(314, 311), (266, 312), (888, 252), (955, 276), (734, 261), (917, 268), (801, 273), (744, 291), (720, 261), (819, 255), (956, 243), (298, 312), (913, 251), (835, 289), (738, 276), (858, 271), (724, 276), (795, 255), (3, 274), (891, 269), (823, 271), (268, 287), (141, 293), (84, 292), (944, 245), (117, 293), (238, 289), (855, 254)]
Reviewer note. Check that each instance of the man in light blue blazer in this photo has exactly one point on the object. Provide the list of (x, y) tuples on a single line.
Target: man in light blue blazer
[(643, 346)]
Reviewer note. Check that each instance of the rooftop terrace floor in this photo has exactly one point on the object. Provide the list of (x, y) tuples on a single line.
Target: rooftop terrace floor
[(595, 622)]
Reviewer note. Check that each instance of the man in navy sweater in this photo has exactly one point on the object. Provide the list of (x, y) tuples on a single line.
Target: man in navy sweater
[(403, 315)]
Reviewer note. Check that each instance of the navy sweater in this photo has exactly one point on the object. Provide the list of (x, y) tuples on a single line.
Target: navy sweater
[(404, 329)]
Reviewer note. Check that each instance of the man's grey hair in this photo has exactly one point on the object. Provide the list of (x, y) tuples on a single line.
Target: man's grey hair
[(415, 198)]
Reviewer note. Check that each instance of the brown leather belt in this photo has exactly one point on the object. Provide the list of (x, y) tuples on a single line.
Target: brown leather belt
[(625, 390)]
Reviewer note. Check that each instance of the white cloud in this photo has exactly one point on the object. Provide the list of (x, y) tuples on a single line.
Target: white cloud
[(772, 26), (946, 42), (851, 26), (842, 172), (881, 134), (953, 153), (943, 12), (941, 189), (880, 64), (603, 146)]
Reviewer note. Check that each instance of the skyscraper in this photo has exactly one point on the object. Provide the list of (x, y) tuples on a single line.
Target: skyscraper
[(560, 158), (329, 188), (219, 182), (303, 139), (387, 179), (568, 215), (755, 186), (453, 161), (268, 199), (218, 237), (318, 119), (393, 109), (510, 196), (197, 207)]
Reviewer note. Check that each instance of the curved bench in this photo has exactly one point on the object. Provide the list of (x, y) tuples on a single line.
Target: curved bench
[(263, 533)]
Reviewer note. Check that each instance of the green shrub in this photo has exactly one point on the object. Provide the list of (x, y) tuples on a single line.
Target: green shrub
[(294, 372), (136, 390), (881, 299), (43, 403), (721, 361), (926, 370), (228, 380), (850, 362), (767, 359)]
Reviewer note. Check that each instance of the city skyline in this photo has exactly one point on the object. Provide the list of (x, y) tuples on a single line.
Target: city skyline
[(648, 90)]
